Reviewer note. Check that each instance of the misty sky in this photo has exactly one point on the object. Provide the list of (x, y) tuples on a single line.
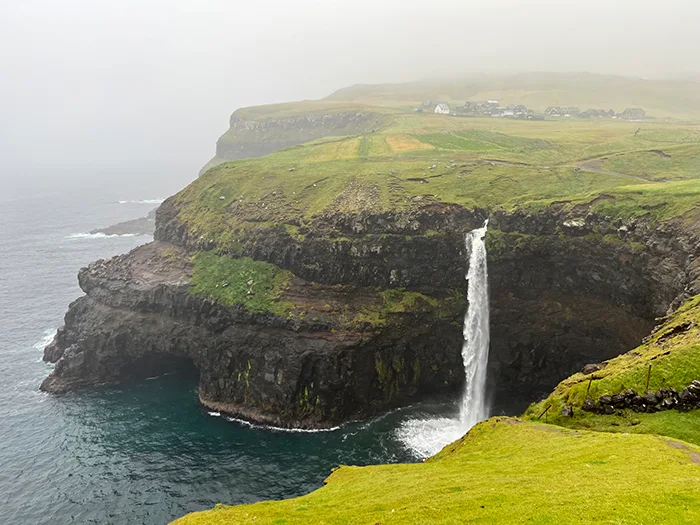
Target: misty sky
[(152, 82)]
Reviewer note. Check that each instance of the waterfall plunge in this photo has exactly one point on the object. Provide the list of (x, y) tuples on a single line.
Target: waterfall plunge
[(427, 436), (475, 349)]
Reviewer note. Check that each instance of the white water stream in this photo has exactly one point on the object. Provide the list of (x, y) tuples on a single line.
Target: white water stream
[(428, 436), (475, 349)]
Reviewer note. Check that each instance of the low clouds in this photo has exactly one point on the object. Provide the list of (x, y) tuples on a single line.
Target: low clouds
[(153, 81)]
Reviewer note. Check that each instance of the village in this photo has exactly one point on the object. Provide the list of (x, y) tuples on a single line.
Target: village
[(493, 109)]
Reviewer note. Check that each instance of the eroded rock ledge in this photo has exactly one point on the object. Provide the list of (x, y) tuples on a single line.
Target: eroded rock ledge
[(309, 369), (566, 290)]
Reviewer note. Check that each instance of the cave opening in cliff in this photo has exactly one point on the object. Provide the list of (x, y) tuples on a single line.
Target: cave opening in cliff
[(160, 364)]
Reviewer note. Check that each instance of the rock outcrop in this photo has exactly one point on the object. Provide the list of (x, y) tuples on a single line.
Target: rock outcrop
[(663, 399), (141, 226), (139, 318)]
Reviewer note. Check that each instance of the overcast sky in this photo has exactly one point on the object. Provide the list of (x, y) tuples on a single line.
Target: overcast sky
[(152, 82)]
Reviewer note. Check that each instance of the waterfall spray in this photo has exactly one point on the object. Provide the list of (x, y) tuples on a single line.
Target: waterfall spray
[(475, 349)]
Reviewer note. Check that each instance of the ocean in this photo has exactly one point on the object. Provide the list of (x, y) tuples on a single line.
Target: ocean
[(143, 452)]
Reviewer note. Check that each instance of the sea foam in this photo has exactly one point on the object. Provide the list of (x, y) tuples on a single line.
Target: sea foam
[(45, 339), (98, 235), (280, 429), (143, 201)]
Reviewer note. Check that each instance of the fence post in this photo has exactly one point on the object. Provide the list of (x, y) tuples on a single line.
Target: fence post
[(646, 389)]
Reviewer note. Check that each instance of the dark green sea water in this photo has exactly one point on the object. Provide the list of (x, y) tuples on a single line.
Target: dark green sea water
[(142, 453)]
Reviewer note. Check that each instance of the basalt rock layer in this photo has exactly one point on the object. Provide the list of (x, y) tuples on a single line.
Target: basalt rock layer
[(567, 288)]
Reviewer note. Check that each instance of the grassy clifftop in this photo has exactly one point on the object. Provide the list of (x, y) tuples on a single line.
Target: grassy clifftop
[(503, 471), (420, 159)]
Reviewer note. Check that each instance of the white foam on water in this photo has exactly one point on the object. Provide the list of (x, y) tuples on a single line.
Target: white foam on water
[(159, 376), (143, 201), (97, 235), (280, 429), (214, 414), (49, 333)]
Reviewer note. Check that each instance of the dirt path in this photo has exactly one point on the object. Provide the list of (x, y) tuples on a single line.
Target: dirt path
[(595, 166)]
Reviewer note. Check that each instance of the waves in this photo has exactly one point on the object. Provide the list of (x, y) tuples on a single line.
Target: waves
[(248, 424), (45, 339), (143, 201)]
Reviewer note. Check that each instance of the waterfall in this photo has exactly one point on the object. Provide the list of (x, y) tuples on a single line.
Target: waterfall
[(475, 349), (426, 436)]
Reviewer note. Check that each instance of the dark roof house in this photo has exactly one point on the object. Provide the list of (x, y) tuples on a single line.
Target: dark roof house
[(633, 114)]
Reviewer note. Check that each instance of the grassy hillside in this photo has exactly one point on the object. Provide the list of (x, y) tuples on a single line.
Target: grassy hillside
[(503, 471), (661, 98)]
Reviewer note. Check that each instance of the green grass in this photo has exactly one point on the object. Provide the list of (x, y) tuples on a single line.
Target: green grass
[(482, 141), (679, 425), (503, 471), (683, 162), (255, 285)]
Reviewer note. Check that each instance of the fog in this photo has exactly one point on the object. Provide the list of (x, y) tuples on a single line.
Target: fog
[(151, 83)]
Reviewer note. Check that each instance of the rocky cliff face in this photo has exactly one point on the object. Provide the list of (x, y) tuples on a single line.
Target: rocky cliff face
[(139, 317), (249, 137), (566, 289)]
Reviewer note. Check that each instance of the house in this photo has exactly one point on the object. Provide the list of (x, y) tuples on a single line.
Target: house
[(610, 113), (499, 112), (469, 108), (554, 111), (572, 111), (428, 104), (633, 114), (520, 110), (442, 108), (590, 113)]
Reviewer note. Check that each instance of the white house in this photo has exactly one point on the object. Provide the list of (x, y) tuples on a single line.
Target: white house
[(442, 109)]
